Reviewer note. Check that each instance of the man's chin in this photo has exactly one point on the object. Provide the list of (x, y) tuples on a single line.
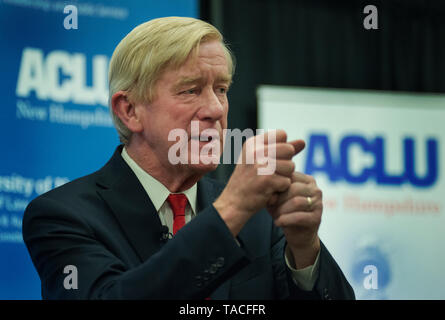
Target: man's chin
[(203, 167)]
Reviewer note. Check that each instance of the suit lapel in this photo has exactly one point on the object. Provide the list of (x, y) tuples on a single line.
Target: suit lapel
[(131, 206), (134, 211), (208, 191)]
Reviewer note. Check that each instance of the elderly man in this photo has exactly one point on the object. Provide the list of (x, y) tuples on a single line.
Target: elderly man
[(254, 238)]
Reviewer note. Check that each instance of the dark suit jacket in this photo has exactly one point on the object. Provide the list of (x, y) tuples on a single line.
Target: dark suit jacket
[(105, 225)]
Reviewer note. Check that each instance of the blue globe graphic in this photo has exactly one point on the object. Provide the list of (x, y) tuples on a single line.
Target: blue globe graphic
[(372, 256)]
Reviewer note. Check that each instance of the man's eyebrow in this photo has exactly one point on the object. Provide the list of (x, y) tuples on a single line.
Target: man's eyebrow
[(226, 78), (184, 81)]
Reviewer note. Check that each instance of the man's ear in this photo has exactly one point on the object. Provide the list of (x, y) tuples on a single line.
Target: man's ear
[(126, 111)]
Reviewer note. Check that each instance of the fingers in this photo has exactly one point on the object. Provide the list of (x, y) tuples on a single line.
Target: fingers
[(279, 183), (283, 150), (278, 157), (273, 151), (299, 204), (279, 135), (274, 136), (301, 177), (269, 147), (285, 168), (301, 201), (298, 145), (295, 189), (257, 151), (302, 185), (266, 168)]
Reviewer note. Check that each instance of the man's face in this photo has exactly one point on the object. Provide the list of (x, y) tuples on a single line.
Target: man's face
[(196, 92)]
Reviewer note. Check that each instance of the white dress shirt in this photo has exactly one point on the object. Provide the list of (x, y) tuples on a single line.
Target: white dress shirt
[(158, 193)]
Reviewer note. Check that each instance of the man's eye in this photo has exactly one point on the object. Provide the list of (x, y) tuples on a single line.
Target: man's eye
[(189, 91), (222, 90)]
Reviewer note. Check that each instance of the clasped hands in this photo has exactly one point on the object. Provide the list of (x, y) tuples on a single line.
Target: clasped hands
[(292, 198)]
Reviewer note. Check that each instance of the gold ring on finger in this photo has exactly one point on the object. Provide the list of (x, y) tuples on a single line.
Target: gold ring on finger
[(309, 202)]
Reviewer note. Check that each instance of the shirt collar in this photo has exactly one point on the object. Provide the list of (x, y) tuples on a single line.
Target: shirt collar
[(157, 192)]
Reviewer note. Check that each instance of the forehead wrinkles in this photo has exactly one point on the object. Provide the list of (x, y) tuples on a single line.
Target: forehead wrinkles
[(212, 59), (203, 71), (209, 63), (211, 53), (205, 61)]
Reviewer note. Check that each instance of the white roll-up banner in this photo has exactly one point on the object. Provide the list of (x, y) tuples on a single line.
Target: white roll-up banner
[(378, 158)]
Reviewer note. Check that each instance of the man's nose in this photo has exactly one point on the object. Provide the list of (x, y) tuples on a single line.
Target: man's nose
[(212, 108)]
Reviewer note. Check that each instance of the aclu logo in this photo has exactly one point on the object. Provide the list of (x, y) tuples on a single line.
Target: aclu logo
[(61, 76), (337, 166)]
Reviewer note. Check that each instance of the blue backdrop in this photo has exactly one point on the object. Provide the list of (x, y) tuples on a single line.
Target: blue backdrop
[(55, 123)]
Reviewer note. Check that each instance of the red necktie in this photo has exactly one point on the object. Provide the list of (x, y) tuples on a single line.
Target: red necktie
[(178, 202)]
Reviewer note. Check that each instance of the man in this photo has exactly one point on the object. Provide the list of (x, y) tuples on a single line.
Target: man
[(164, 75)]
